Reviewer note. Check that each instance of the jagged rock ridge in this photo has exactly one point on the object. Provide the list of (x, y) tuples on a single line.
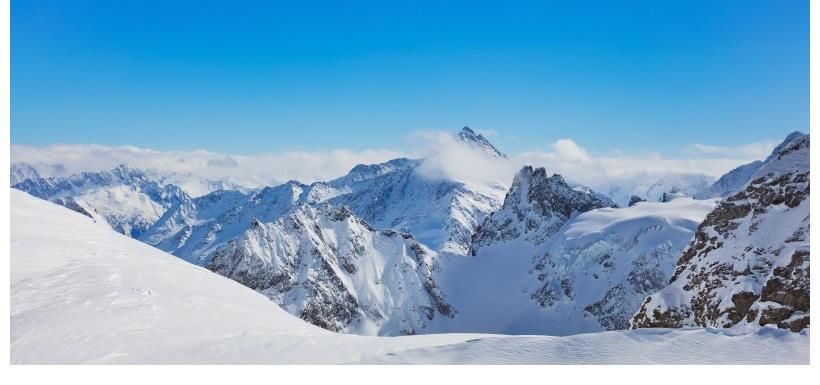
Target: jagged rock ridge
[(535, 207), (748, 264), (334, 270)]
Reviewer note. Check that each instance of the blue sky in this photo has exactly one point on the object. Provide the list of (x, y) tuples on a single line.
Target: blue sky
[(250, 77)]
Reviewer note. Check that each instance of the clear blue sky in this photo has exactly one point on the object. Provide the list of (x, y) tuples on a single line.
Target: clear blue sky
[(248, 77)]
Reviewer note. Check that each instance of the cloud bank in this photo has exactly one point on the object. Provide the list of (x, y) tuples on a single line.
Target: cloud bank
[(445, 157)]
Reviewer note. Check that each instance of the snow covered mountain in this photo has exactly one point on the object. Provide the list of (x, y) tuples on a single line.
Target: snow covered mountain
[(81, 293), (332, 269), (605, 262), (748, 264), (440, 213), (123, 198), (197, 186), (535, 208), (291, 232), (476, 140), (195, 227), (22, 171), (560, 260), (734, 180)]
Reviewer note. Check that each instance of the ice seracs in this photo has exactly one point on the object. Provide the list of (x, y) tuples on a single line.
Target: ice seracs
[(748, 264)]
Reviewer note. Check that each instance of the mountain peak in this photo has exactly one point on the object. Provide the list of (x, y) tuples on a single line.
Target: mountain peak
[(467, 135), (789, 138), (535, 208)]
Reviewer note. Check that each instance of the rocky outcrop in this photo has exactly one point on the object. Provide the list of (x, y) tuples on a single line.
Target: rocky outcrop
[(748, 263), (535, 207), (635, 200)]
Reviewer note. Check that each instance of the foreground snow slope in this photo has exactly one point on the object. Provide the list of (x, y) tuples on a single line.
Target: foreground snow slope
[(81, 293), (647, 346)]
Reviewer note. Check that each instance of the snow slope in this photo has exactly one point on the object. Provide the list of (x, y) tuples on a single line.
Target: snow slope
[(645, 347), (81, 293)]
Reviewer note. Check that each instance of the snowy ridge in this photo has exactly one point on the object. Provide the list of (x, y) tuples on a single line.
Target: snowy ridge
[(194, 228), (748, 264), (440, 213), (332, 269)]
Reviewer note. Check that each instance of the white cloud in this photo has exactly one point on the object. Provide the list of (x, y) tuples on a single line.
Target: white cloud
[(757, 150), (446, 156), (244, 170)]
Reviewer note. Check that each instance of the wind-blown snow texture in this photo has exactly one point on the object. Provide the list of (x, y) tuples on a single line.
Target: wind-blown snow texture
[(81, 293), (748, 264)]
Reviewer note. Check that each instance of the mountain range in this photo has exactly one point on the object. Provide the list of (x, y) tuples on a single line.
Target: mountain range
[(388, 249)]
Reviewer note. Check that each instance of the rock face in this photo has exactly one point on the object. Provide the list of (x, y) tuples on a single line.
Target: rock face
[(633, 200), (535, 208), (123, 197), (748, 264), (329, 267)]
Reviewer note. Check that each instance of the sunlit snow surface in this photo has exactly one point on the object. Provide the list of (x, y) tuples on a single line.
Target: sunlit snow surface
[(81, 293)]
